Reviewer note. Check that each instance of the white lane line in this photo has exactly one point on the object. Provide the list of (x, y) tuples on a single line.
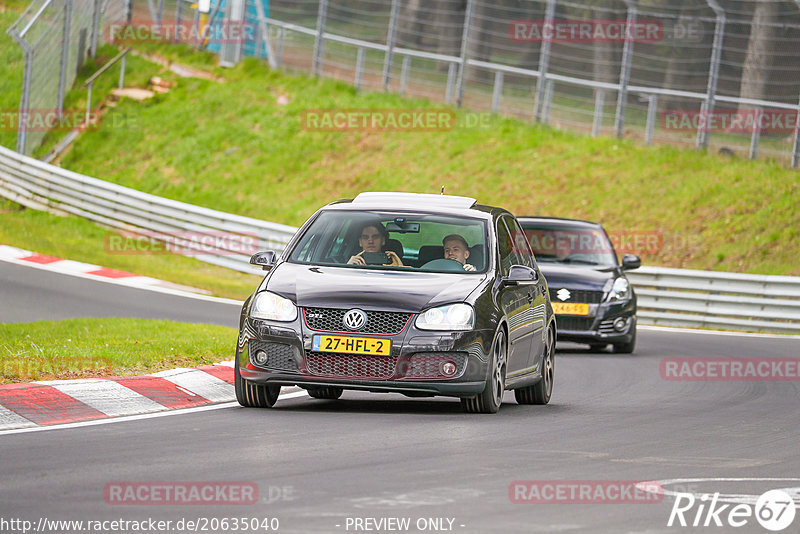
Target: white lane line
[(109, 397), (199, 382), (12, 253), (9, 419), (676, 329), (123, 419)]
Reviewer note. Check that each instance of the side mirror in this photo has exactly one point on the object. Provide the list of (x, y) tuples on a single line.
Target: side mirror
[(631, 261), (521, 275), (265, 259)]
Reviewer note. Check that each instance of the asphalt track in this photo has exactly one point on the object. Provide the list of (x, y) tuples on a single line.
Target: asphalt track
[(321, 464)]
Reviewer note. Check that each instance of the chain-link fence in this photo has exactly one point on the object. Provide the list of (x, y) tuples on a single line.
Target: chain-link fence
[(56, 37), (705, 73)]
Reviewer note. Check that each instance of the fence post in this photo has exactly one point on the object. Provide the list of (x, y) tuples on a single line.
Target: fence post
[(599, 103), (95, 29), (548, 100), (390, 38), (24, 100), (755, 135), (796, 144), (448, 91), (122, 71), (462, 69), (262, 20), (625, 71), (544, 62), (404, 74), (652, 106), (359, 67), (279, 50), (713, 75), (497, 93), (178, 18), (62, 66), (322, 15)]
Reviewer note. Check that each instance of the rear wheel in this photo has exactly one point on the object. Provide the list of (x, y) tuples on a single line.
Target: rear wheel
[(252, 395), (540, 392), (492, 397), (329, 392)]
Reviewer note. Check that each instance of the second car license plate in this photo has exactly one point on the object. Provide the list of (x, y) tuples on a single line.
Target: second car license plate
[(571, 308), (353, 345)]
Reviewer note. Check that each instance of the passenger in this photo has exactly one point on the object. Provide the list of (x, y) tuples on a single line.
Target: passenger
[(456, 248), (372, 238)]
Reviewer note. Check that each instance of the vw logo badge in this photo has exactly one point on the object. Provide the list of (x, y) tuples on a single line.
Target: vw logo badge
[(563, 294), (354, 319)]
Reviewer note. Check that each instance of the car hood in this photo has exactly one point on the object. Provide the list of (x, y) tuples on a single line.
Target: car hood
[(575, 277), (342, 287)]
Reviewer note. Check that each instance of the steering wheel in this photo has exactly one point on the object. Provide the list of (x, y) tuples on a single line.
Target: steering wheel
[(444, 264)]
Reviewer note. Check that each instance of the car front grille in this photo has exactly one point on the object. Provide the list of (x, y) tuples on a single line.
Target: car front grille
[(337, 365), (429, 364), (578, 295), (378, 322), (280, 356), (580, 324), (607, 327)]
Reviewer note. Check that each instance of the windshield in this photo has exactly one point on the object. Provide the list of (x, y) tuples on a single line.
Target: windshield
[(394, 241), (571, 245)]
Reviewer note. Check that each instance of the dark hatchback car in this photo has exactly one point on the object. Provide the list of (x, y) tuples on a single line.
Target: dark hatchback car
[(452, 304), (591, 295)]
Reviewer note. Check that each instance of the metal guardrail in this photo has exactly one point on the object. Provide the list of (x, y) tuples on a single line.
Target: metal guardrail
[(673, 297), (41, 186), (709, 299)]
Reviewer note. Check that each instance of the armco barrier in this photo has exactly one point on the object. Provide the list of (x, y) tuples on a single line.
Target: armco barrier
[(673, 297), (46, 187)]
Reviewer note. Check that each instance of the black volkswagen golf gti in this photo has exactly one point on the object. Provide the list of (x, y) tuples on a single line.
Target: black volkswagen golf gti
[(399, 292), (591, 295)]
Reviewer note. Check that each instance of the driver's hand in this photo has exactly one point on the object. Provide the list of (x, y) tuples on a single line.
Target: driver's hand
[(357, 259), (393, 258), (469, 267)]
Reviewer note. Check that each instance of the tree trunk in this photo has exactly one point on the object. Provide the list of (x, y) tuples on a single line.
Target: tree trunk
[(757, 63)]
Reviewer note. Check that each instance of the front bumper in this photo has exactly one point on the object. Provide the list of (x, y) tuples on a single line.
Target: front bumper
[(599, 327), (414, 365)]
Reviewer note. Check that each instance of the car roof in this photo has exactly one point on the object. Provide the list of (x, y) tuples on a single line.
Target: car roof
[(559, 221), (423, 202)]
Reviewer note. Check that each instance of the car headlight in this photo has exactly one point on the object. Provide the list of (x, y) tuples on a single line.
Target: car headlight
[(451, 317), (621, 289), (270, 306)]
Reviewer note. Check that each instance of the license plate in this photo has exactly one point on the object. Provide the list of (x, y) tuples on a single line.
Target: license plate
[(352, 345), (571, 308)]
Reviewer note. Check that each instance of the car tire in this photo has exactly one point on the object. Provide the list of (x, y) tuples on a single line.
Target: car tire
[(626, 348), (330, 393), (492, 397), (252, 395), (540, 392)]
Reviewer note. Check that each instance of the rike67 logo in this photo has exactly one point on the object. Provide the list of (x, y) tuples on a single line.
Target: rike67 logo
[(774, 510)]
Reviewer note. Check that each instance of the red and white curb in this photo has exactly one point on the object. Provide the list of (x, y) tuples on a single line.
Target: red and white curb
[(67, 401), (96, 272)]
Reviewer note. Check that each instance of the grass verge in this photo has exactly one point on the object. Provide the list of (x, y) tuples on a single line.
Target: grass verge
[(83, 348)]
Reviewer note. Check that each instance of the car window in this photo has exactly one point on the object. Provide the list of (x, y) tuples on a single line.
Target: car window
[(522, 250), (561, 243), (505, 245), (417, 239)]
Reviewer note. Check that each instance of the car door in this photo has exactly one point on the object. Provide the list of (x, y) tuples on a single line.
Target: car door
[(515, 302), (537, 313)]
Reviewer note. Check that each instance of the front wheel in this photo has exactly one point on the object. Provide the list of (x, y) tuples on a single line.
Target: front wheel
[(540, 392), (626, 348), (492, 397), (252, 395)]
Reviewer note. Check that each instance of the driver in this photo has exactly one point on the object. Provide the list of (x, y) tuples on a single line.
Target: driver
[(372, 238), (456, 248)]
